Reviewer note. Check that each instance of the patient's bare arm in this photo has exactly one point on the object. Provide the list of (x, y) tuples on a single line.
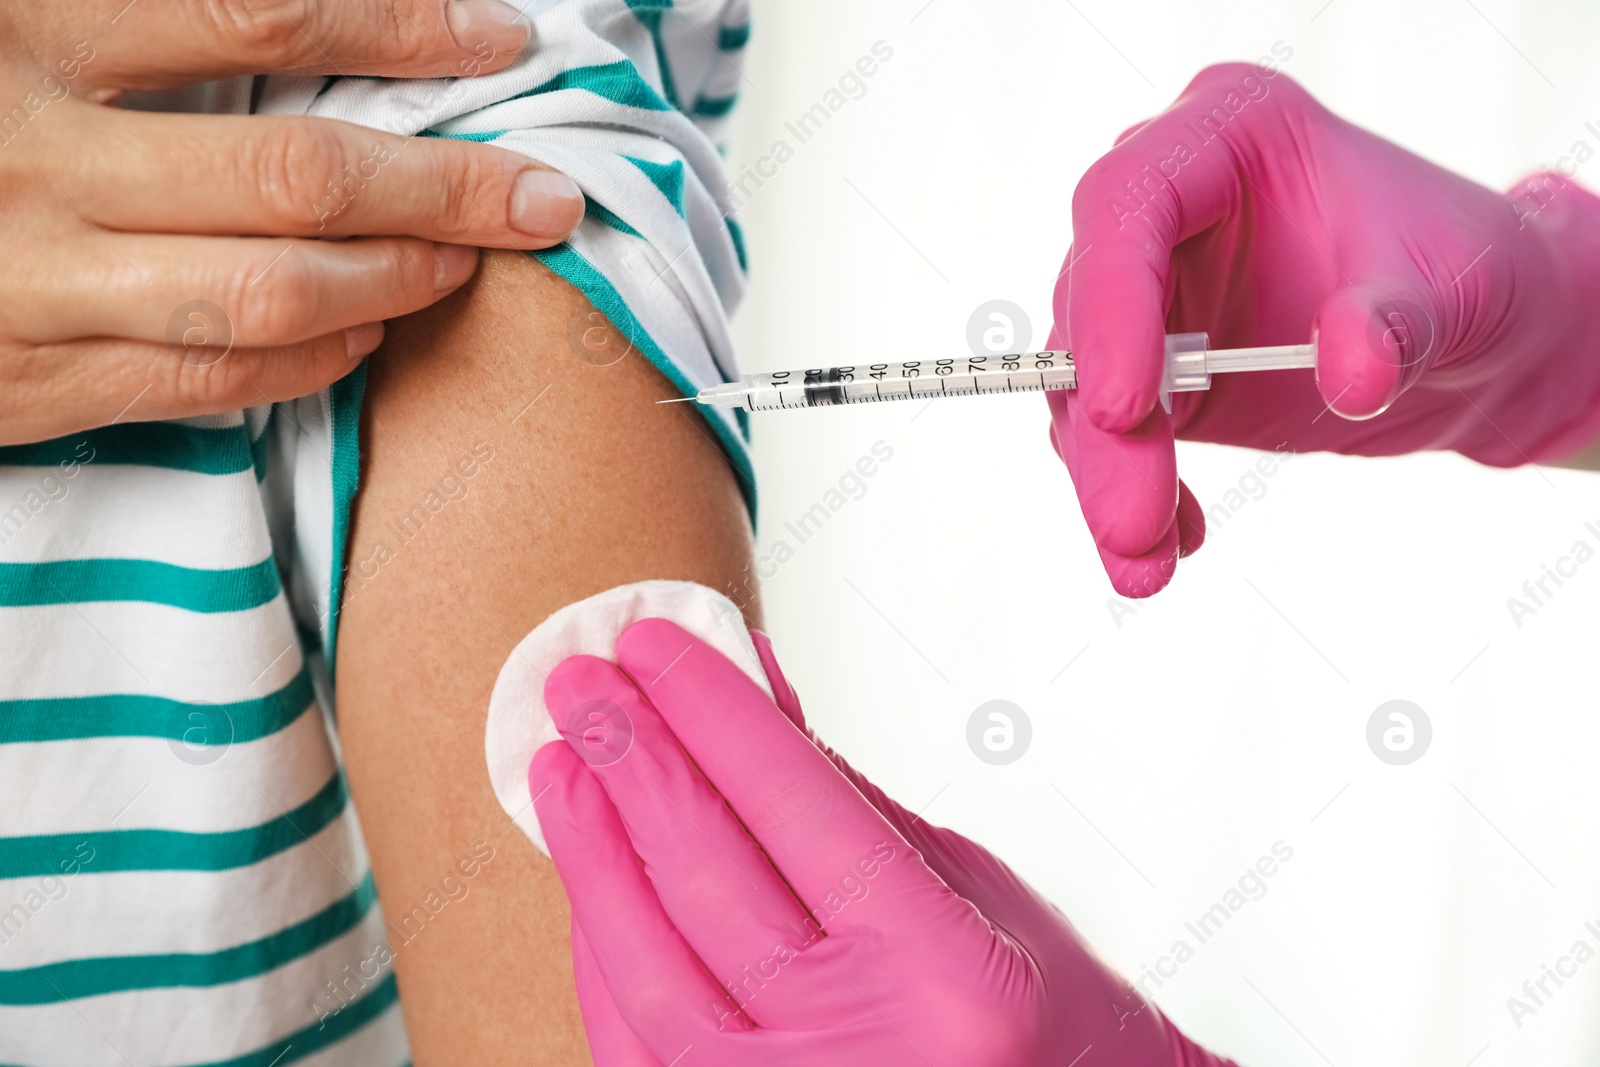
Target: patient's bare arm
[(578, 482)]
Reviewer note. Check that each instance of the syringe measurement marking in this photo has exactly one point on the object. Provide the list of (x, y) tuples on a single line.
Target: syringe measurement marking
[(1190, 364), (976, 379)]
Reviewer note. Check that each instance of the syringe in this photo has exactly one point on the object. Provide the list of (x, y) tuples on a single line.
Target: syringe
[(1190, 364)]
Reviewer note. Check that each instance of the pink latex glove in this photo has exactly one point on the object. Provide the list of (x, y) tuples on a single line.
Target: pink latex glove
[(1447, 316), (700, 862)]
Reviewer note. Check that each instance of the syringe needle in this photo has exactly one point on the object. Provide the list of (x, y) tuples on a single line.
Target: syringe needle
[(677, 400)]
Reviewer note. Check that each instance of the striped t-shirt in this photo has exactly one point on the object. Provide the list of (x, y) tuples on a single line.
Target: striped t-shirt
[(182, 880)]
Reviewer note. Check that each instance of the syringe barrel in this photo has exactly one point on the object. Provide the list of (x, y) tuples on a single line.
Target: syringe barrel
[(1190, 363), (867, 383)]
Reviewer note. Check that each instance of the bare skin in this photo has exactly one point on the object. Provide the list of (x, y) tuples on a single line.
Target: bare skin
[(592, 486)]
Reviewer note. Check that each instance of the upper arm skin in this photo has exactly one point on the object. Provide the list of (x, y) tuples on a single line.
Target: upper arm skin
[(591, 487)]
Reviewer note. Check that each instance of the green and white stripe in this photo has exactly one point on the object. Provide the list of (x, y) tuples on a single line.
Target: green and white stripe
[(629, 99), (182, 880), (181, 875)]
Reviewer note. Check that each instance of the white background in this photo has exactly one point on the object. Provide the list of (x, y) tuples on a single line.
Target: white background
[(1230, 711)]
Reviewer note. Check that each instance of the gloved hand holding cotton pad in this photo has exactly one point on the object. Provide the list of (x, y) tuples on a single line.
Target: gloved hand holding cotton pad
[(740, 891), (519, 723)]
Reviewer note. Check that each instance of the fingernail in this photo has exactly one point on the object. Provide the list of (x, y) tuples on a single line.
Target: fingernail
[(363, 340), (452, 266), (476, 23), (546, 203)]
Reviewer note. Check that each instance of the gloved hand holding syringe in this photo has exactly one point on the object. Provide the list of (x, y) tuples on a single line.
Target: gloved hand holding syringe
[(1190, 363)]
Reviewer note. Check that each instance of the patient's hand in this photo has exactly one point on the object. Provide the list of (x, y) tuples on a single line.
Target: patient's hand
[(158, 266), (742, 897)]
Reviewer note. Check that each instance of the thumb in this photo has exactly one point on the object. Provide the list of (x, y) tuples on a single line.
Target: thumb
[(783, 693), (945, 851), (788, 702), (1374, 341)]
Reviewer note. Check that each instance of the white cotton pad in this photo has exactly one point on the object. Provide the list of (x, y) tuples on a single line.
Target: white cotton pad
[(519, 723)]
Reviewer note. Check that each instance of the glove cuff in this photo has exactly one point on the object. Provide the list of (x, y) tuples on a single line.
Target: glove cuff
[(1566, 217)]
